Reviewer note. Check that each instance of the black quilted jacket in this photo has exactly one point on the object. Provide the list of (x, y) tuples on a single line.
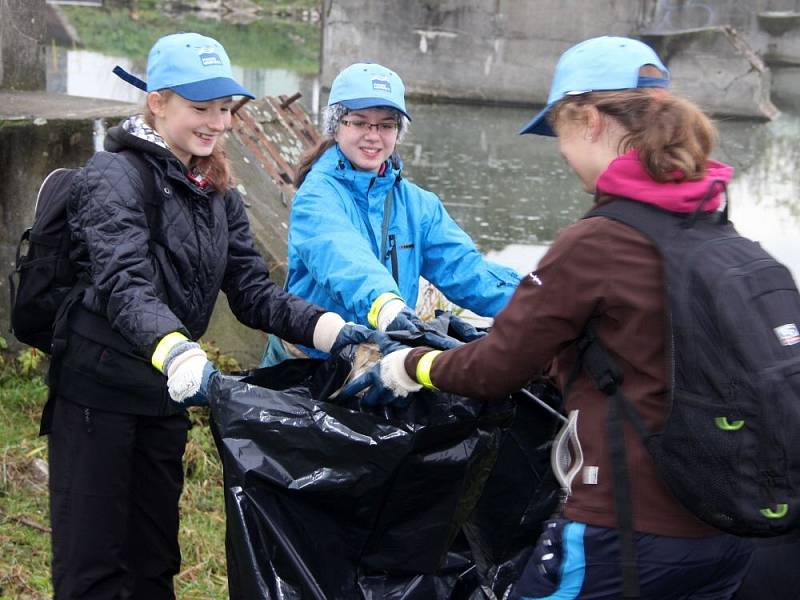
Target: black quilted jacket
[(145, 282)]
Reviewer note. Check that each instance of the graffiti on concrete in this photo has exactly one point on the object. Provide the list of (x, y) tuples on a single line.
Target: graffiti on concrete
[(428, 35)]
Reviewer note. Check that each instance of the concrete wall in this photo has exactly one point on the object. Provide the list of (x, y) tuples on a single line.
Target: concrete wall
[(22, 30), (478, 50), (504, 51), (28, 151)]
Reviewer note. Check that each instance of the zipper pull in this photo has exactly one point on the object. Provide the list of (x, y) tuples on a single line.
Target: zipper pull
[(87, 419)]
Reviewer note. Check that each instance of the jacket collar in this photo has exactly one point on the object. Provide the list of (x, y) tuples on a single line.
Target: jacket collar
[(123, 137), (333, 162)]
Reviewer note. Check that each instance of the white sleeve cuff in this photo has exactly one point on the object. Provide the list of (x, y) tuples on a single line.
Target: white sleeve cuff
[(388, 312), (326, 330)]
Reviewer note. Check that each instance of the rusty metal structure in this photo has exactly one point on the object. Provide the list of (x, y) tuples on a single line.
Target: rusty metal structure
[(267, 140)]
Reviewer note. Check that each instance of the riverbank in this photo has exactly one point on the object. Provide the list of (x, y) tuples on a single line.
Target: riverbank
[(266, 35)]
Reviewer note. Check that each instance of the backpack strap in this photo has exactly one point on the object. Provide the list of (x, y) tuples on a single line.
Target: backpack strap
[(12, 286), (595, 359), (60, 332)]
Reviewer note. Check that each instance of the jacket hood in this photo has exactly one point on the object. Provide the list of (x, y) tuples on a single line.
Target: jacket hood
[(119, 137), (626, 177), (126, 136)]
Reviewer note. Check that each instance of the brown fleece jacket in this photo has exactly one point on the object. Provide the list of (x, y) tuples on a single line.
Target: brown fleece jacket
[(601, 270)]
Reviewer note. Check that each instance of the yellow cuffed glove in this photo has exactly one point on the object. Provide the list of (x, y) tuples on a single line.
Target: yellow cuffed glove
[(183, 362)]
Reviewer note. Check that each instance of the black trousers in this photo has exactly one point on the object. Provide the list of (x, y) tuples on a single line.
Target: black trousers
[(115, 483)]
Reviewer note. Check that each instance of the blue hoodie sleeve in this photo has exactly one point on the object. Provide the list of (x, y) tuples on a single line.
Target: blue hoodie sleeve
[(333, 243), (452, 262)]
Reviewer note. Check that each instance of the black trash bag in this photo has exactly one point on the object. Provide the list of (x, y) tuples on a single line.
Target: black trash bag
[(519, 496), (328, 501)]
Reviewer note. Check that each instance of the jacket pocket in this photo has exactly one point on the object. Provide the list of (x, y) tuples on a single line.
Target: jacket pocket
[(111, 367)]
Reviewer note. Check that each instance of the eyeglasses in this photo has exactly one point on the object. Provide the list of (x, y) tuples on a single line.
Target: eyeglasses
[(365, 126)]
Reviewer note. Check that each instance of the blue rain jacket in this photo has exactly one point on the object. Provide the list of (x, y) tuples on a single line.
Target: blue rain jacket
[(336, 234)]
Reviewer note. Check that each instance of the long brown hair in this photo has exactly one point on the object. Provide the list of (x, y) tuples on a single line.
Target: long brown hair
[(310, 157), (672, 136), (215, 167)]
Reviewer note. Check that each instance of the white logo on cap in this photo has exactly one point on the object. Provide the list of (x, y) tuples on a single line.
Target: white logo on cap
[(208, 56), (381, 84), (787, 334)]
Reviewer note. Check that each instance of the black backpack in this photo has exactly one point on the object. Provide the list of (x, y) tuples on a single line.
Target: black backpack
[(44, 278), (728, 450)]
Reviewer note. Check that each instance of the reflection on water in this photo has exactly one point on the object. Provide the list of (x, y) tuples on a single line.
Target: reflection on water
[(513, 193), (501, 187)]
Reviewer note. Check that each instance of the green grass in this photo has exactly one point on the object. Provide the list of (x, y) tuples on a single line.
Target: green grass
[(24, 563), (24, 519), (267, 43)]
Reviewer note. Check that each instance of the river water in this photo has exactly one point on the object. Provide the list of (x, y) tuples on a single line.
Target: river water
[(513, 193)]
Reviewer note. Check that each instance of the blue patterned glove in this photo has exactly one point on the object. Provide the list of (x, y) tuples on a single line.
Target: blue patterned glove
[(463, 330), (407, 321), (386, 382), (354, 334), (201, 397)]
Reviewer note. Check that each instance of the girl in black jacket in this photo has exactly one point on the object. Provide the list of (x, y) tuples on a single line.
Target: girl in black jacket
[(152, 256)]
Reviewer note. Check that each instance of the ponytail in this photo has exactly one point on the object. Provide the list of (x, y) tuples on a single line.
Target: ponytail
[(672, 136)]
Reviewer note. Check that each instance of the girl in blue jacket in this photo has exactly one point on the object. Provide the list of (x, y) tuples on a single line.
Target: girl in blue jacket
[(361, 235)]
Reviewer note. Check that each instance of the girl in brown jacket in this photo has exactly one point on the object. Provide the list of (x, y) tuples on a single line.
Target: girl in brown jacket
[(624, 135)]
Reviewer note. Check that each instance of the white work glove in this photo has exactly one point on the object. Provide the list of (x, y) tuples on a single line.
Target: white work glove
[(386, 382), (327, 329), (389, 311), (184, 369), (393, 373)]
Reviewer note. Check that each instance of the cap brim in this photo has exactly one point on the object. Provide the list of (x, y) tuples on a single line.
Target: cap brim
[(538, 125), (372, 103), (211, 89)]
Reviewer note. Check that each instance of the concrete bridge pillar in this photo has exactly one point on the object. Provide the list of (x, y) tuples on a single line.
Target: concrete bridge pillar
[(22, 31)]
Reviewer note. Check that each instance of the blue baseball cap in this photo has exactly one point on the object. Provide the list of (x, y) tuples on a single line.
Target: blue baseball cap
[(598, 64), (192, 65), (368, 85)]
